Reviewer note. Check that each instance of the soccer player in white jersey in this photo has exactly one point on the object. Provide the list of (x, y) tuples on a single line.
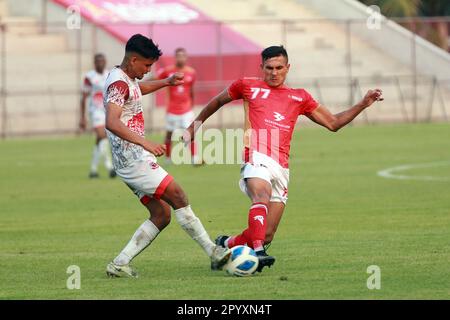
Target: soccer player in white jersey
[(134, 158), (93, 86)]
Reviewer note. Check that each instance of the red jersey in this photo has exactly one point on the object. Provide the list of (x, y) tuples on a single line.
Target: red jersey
[(180, 100), (270, 114)]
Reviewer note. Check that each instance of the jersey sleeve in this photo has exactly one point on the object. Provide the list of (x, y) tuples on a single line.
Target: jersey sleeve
[(236, 89), (117, 93), (87, 85), (308, 104)]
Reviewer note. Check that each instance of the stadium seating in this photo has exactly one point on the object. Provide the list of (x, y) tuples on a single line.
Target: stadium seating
[(47, 59)]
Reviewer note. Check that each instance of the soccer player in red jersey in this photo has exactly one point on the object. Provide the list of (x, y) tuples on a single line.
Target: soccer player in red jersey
[(179, 114), (271, 112)]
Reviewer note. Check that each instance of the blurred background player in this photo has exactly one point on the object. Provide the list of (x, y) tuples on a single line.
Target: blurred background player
[(179, 114), (93, 86), (135, 162), (271, 109)]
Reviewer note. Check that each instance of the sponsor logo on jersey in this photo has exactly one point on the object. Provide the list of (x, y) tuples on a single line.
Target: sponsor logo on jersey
[(278, 116), (296, 98)]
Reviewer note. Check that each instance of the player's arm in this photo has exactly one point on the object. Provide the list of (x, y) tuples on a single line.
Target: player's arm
[(84, 95), (215, 104), (113, 124), (82, 123), (150, 86), (333, 122)]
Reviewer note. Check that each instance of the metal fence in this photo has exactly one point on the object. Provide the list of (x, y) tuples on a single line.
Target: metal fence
[(42, 64)]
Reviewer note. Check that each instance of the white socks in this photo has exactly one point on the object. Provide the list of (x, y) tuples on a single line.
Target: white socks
[(141, 239), (101, 150), (103, 147), (147, 232), (95, 159), (194, 228)]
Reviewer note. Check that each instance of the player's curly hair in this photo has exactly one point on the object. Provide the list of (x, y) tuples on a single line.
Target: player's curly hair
[(274, 51), (143, 46)]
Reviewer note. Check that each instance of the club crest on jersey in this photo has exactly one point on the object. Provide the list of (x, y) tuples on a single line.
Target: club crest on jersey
[(260, 219), (154, 165), (278, 116), (296, 98)]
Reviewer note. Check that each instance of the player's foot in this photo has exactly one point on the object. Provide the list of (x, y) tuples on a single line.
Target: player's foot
[(115, 271), (264, 260), (112, 173), (219, 257), (220, 240), (93, 175), (197, 161)]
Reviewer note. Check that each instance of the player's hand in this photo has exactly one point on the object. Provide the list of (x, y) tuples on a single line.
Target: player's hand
[(156, 148), (188, 135), (82, 124), (372, 96), (176, 79)]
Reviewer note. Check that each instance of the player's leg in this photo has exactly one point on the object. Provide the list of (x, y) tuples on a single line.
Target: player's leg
[(96, 155), (278, 201), (191, 224), (186, 120), (276, 210), (142, 238), (171, 125), (103, 149), (260, 191), (274, 216), (168, 143)]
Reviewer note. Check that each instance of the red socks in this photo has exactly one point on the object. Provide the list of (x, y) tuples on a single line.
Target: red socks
[(168, 144), (193, 148), (255, 234)]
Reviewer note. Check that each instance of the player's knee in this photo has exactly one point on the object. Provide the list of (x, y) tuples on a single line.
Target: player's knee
[(261, 195), (179, 198)]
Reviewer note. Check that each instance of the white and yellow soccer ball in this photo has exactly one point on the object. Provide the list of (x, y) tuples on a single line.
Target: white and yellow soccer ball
[(243, 262)]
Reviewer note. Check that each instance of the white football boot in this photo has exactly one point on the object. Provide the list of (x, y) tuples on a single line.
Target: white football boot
[(219, 257), (115, 271)]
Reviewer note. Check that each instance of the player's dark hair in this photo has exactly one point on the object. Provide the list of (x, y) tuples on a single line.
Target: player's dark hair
[(99, 55), (143, 46), (180, 50), (274, 51)]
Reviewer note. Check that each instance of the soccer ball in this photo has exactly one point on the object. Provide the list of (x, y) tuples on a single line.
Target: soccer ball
[(243, 262)]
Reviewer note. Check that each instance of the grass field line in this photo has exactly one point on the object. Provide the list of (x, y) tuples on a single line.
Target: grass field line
[(392, 173)]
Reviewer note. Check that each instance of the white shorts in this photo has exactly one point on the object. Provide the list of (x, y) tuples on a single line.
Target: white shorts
[(268, 169), (145, 178), (97, 117), (179, 121)]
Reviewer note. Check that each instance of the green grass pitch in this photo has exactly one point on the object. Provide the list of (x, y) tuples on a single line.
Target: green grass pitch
[(341, 218)]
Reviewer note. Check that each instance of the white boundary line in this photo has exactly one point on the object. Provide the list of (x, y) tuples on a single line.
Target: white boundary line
[(390, 172)]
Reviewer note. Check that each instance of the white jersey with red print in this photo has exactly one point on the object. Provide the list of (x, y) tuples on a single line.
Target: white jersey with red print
[(94, 84), (270, 116), (125, 92)]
